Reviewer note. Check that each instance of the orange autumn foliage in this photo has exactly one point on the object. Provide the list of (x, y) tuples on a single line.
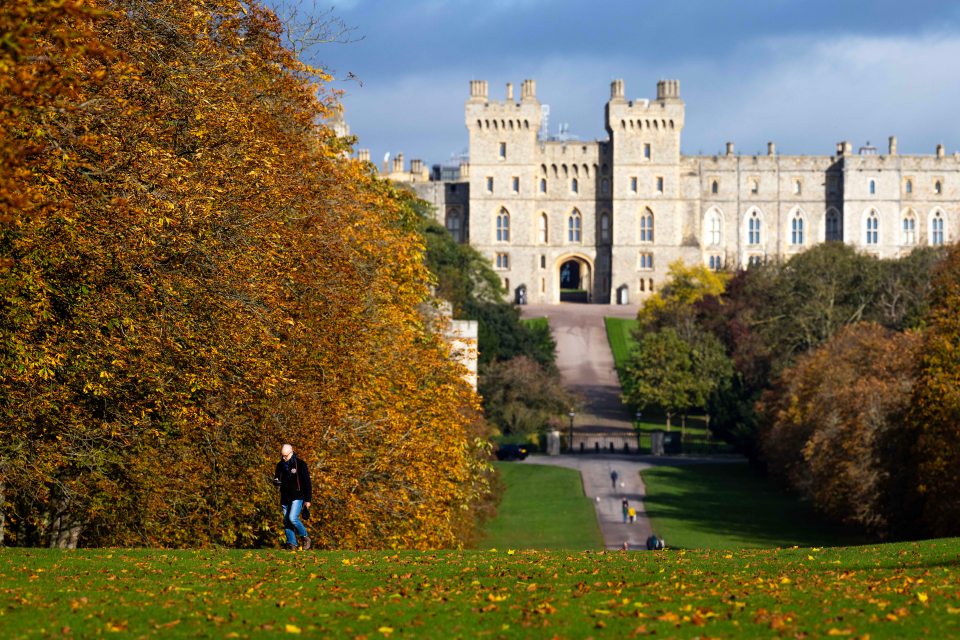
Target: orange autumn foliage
[(195, 273)]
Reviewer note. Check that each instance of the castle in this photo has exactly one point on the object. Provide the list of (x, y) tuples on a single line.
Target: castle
[(601, 221)]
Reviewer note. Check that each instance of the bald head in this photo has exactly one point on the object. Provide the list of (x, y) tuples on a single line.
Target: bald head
[(286, 451)]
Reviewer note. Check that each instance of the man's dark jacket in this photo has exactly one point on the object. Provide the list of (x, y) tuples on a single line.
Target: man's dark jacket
[(295, 483)]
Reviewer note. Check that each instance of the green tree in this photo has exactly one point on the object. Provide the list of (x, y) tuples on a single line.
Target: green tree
[(659, 373), (935, 414), (521, 397)]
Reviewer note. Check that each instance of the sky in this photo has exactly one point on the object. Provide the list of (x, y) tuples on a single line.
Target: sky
[(803, 74)]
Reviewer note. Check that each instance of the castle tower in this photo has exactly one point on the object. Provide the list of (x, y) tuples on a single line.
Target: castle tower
[(649, 219), (502, 180)]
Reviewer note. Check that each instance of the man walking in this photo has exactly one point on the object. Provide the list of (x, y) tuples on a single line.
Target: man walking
[(613, 478), (293, 478)]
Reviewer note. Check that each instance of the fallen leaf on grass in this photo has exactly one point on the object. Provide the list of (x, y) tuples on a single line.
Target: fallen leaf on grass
[(292, 628)]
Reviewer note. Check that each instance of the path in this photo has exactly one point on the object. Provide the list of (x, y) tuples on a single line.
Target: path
[(586, 362), (595, 471), (587, 368)]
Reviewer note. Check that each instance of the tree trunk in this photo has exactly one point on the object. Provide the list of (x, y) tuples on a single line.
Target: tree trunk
[(668, 421), (683, 427), (3, 513)]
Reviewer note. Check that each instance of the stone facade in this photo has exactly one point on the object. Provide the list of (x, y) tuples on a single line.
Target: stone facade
[(602, 220)]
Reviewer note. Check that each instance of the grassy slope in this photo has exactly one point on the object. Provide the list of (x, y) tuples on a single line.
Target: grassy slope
[(901, 590), (542, 508), (726, 506), (618, 335)]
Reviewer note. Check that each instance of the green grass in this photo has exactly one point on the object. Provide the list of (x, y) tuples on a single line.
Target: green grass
[(543, 324), (890, 591), (542, 508), (618, 335), (727, 506)]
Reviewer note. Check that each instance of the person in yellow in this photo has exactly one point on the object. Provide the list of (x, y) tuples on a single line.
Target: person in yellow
[(632, 514)]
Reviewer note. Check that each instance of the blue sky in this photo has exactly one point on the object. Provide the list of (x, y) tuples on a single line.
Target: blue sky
[(804, 74)]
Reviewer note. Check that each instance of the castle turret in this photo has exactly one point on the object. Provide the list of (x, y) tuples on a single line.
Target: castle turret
[(478, 90), (892, 147), (668, 90)]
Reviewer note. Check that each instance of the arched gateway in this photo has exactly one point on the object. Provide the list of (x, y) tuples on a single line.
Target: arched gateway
[(574, 278)]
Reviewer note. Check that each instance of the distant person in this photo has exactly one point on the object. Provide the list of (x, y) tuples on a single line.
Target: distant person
[(293, 478), (655, 543), (626, 509), (613, 478), (632, 514)]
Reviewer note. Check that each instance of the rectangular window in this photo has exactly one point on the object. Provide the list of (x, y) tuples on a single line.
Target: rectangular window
[(659, 184), (543, 262), (646, 151), (633, 184), (516, 184), (503, 150), (489, 184), (503, 261)]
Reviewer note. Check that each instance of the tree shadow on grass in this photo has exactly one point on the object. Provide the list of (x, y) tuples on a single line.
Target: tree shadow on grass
[(728, 501)]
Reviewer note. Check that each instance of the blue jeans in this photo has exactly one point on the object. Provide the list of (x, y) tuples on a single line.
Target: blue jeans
[(291, 521)]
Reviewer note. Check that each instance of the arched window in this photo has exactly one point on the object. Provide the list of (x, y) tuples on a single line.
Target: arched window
[(938, 187), (453, 225), (714, 187), (833, 233), (936, 229), (873, 228), (503, 226), (574, 227), (605, 186), (872, 187), (909, 229), (646, 226), (753, 228), (604, 228), (575, 185), (543, 185), (714, 228), (542, 231), (797, 187), (796, 229), (909, 186)]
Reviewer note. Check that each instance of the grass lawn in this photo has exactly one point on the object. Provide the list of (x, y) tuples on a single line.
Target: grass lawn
[(726, 506), (537, 323), (542, 508), (892, 591), (618, 335)]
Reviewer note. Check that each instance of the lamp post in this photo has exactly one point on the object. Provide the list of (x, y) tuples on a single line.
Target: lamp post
[(572, 415), (637, 428)]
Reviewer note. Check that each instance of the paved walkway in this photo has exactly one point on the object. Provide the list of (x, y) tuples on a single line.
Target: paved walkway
[(586, 363), (595, 471)]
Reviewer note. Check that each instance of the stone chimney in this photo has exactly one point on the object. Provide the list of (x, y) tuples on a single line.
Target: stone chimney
[(844, 148), (416, 167), (892, 146), (729, 148), (616, 90), (528, 90), (771, 149), (668, 90), (398, 164), (363, 155), (509, 92), (478, 90), (939, 150)]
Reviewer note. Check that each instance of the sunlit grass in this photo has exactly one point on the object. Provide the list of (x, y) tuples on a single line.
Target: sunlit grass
[(889, 591), (542, 507)]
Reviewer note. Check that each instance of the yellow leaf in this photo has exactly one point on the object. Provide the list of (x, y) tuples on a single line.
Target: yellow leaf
[(921, 596), (385, 630), (292, 628)]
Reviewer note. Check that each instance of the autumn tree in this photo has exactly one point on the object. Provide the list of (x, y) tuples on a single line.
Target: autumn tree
[(834, 427), (521, 397), (935, 415), (196, 273)]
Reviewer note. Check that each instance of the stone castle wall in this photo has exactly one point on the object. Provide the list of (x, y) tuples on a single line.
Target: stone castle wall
[(621, 210)]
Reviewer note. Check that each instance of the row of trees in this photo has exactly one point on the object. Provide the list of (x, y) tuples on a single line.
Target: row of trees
[(833, 371), (193, 272), (519, 383)]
